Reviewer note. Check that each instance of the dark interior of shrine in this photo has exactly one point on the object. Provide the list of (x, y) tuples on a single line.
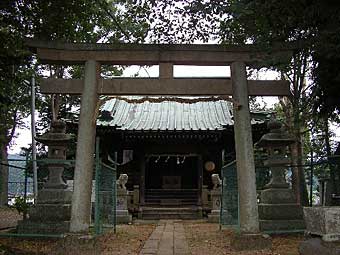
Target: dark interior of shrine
[(171, 172)]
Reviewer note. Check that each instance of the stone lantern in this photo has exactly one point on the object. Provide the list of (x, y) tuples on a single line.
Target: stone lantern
[(52, 212), (57, 141), (276, 142), (278, 210)]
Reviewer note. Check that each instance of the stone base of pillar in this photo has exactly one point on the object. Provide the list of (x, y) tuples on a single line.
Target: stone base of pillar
[(242, 242), (51, 214)]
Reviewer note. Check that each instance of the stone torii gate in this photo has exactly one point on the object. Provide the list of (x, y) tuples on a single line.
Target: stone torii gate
[(93, 55)]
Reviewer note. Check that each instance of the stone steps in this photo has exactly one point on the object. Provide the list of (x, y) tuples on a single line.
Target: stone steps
[(171, 197), (155, 213)]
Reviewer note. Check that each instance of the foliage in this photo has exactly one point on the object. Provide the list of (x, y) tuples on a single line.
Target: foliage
[(21, 205), (70, 21)]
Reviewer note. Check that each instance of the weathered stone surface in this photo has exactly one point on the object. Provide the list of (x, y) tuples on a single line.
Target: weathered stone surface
[(81, 198), (282, 225), (322, 220), (248, 212), (54, 196), (241, 242), (214, 216), (316, 246), (50, 212), (122, 213), (277, 196), (36, 227), (280, 211)]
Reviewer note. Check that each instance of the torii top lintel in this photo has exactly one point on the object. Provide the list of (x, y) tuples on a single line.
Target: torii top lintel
[(150, 54)]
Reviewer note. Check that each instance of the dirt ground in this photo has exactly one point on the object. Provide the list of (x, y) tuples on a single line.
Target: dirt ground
[(9, 218), (128, 240), (206, 238), (203, 239)]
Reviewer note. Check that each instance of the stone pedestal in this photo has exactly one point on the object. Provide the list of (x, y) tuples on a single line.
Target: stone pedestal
[(135, 196), (122, 213), (278, 210), (214, 216), (52, 212)]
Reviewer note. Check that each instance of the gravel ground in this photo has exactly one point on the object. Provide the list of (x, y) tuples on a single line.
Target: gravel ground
[(9, 217), (207, 239)]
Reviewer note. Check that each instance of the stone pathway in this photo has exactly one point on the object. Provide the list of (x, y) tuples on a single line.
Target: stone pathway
[(167, 239)]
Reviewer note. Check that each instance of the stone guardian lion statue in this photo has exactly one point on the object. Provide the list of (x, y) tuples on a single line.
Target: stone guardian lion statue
[(215, 178), (121, 182)]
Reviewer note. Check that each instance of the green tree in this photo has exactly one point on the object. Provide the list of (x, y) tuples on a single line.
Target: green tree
[(313, 27), (70, 21)]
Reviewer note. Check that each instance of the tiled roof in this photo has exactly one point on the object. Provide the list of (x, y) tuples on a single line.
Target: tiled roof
[(167, 115)]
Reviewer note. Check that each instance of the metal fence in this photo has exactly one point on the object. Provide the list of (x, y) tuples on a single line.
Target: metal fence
[(20, 184), (105, 198), (230, 199), (322, 181)]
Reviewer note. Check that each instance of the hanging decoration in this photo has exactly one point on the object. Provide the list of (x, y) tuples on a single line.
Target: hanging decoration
[(180, 158), (159, 157), (209, 166), (192, 100)]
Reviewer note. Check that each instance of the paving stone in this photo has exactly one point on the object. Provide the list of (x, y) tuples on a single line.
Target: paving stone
[(181, 252), (151, 244), (167, 239), (148, 251)]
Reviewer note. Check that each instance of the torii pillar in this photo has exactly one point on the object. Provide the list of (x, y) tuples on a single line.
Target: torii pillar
[(249, 222), (81, 199)]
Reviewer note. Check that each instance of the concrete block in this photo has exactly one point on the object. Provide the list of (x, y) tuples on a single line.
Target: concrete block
[(322, 220)]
